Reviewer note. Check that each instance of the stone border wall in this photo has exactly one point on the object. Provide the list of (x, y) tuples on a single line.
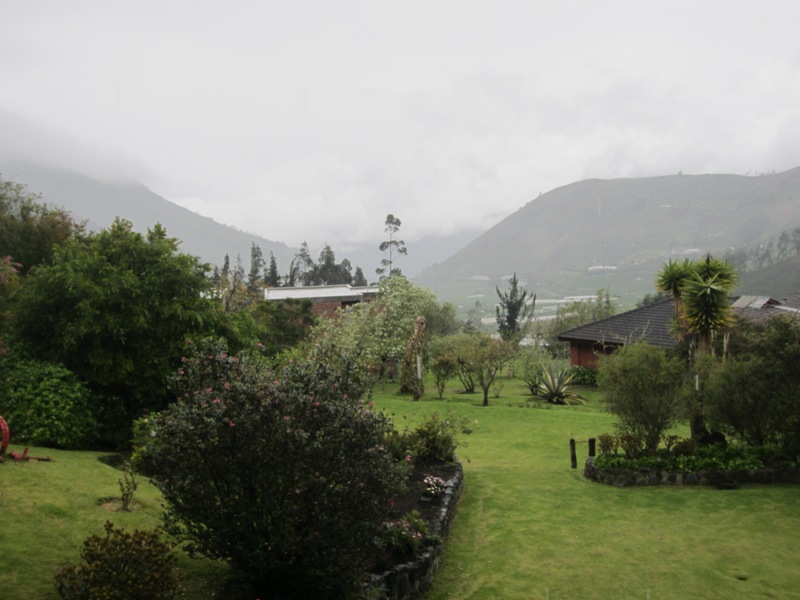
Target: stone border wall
[(408, 581), (722, 479)]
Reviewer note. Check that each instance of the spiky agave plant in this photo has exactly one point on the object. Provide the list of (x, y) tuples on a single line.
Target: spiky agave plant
[(554, 387)]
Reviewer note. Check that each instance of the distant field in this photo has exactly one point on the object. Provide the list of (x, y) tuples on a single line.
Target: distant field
[(528, 526)]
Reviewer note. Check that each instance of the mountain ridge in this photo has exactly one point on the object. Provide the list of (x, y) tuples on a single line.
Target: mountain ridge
[(616, 233)]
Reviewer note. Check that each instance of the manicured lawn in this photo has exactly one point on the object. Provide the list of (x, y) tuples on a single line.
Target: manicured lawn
[(528, 526), (47, 509)]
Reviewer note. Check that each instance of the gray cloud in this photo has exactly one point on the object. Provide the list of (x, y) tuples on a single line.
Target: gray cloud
[(312, 121)]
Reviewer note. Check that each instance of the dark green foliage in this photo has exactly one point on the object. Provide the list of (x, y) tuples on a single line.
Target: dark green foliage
[(431, 441), (442, 362), (480, 359), (29, 230), (584, 376), (641, 385), (8, 279), (406, 536), (45, 405), (686, 456), (120, 566), (115, 309), (271, 277), (512, 312), (281, 325), (326, 271), (254, 276), (754, 395), (282, 474), (435, 439)]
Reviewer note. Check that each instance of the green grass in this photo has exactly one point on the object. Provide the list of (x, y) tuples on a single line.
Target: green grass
[(527, 527), (47, 510)]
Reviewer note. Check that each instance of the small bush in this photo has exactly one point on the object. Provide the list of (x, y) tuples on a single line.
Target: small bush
[(584, 376), (283, 474), (405, 537), (631, 444), (120, 566), (607, 444), (435, 439), (46, 405), (641, 385)]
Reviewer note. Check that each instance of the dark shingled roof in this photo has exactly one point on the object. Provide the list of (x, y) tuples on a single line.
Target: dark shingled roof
[(652, 324)]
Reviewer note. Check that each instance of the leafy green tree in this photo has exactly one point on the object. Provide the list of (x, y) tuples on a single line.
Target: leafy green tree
[(702, 299), (374, 334), (442, 319), (257, 264), (281, 325), (513, 312), (706, 303), (442, 362), (391, 247), (642, 390), (300, 266), (272, 278), (289, 480), (484, 357), (753, 394), (115, 309), (8, 280), (358, 278), (327, 271), (29, 230)]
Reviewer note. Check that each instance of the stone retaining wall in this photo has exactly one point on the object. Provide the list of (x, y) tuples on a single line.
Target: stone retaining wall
[(631, 477), (410, 580)]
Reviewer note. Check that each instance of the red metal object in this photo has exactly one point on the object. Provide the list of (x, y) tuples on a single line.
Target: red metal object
[(6, 438)]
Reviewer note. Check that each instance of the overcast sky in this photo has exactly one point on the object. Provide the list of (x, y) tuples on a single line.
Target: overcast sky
[(313, 120)]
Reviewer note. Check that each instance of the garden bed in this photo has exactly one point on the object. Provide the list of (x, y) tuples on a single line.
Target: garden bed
[(402, 578), (722, 479)]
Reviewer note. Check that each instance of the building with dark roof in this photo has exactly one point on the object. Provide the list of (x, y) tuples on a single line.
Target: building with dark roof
[(655, 324), (651, 323)]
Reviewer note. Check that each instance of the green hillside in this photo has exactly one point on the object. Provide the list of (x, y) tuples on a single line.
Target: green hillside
[(779, 280), (596, 233)]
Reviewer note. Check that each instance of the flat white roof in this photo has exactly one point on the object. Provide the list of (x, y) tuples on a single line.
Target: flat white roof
[(314, 292)]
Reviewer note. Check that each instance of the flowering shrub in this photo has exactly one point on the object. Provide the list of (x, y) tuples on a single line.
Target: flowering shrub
[(408, 535), (434, 486), (282, 473)]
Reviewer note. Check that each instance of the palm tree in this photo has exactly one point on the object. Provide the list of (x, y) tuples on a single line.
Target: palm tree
[(705, 311), (672, 277), (706, 308)]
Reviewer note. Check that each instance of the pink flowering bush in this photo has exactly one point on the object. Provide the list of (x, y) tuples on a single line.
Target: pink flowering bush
[(406, 536), (281, 473)]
